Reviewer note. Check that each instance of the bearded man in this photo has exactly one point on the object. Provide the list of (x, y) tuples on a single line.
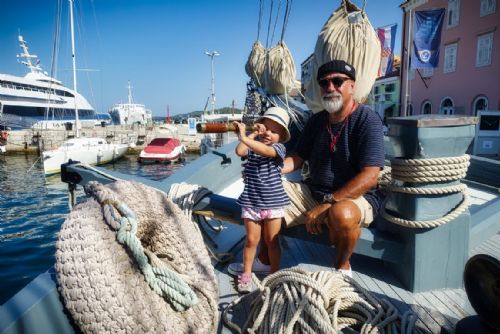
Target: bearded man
[(344, 147)]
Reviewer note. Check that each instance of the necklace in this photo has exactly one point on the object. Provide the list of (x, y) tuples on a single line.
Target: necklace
[(335, 137)]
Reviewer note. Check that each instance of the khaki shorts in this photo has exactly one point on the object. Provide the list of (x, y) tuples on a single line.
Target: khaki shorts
[(301, 201)]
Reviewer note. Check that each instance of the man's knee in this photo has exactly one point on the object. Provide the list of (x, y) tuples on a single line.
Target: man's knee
[(344, 216)]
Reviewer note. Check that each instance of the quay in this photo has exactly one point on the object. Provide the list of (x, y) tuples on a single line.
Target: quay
[(34, 141)]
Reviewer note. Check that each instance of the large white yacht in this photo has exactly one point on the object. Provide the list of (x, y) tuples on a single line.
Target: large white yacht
[(38, 100), (130, 113)]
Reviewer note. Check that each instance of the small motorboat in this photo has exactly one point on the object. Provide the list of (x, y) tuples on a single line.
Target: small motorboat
[(162, 150)]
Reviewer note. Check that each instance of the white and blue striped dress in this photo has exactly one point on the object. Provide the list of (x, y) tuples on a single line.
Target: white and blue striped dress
[(262, 176)]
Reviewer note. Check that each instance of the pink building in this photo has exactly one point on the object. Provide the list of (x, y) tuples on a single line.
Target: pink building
[(467, 78)]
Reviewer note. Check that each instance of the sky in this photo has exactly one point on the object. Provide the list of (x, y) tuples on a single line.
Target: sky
[(159, 45)]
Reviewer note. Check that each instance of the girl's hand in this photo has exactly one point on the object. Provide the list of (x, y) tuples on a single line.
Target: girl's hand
[(240, 129), (261, 128)]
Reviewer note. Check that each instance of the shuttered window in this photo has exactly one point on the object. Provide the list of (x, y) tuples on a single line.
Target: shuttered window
[(450, 58), (487, 7), (453, 12), (484, 48)]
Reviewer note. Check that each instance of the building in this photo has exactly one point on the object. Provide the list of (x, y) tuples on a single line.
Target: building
[(384, 96), (467, 78)]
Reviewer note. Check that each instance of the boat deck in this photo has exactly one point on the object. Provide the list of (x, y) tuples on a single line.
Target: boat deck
[(438, 311)]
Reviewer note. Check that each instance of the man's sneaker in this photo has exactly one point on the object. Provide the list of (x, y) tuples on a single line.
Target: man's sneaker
[(258, 268), (347, 272), (245, 283)]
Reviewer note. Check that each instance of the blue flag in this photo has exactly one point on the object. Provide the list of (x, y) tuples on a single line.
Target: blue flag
[(427, 38)]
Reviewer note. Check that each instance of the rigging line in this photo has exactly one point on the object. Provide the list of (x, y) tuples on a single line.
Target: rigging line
[(261, 9), (269, 24), (276, 20), (81, 29), (29, 170), (285, 18)]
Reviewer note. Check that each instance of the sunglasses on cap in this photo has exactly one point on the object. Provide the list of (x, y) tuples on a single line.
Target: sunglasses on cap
[(336, 81)]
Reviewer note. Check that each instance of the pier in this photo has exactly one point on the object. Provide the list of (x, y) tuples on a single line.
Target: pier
[(34, 141)]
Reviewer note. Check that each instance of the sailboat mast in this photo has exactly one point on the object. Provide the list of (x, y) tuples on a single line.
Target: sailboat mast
[(73, 57)]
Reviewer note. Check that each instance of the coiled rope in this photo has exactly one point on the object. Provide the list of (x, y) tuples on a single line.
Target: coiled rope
[(429, 171), (297, 301), (164, 281)]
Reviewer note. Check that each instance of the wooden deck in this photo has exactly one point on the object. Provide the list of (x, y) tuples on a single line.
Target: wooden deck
[(438, 310)]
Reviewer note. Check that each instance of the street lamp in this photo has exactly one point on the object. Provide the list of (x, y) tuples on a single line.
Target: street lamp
[(212, 55)]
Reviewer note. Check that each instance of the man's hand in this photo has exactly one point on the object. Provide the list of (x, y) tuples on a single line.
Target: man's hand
[(315, 217)]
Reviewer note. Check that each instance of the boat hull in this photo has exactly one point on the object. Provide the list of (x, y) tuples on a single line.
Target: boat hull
[(90, 154)]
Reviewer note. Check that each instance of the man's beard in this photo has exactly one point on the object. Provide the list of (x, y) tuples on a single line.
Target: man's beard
[(332, 102)]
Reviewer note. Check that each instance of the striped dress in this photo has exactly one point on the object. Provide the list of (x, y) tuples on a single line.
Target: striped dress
[(262, 176)]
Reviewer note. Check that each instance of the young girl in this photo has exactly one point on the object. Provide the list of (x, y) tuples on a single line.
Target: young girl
[(263, 199)]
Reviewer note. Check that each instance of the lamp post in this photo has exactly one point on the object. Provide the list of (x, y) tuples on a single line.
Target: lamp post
[(212, 55)]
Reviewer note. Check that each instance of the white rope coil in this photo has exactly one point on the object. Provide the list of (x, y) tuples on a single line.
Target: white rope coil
[(428, 191), (428, 171), (431, 161), (298, 301), (428, 223)]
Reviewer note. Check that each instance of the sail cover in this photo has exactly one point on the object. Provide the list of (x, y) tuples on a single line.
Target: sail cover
[(347, 35)]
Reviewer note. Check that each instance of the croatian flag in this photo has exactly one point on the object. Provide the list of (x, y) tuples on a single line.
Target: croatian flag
[(427, 38), (387, 37)]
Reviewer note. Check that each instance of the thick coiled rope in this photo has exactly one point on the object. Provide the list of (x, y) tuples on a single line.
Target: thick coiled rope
[(429, 171), (298, 301), (164, 281)]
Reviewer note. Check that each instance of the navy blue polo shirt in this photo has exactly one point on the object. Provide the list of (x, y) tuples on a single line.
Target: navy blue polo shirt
[(360, 144)]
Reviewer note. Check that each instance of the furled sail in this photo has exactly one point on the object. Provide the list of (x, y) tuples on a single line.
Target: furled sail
[(347, 35)]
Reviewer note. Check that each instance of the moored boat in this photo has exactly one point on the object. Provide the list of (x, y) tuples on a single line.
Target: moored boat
[(162, 150), (92, 151)]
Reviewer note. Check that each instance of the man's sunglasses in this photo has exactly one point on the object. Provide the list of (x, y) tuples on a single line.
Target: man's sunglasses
[(336, 81)]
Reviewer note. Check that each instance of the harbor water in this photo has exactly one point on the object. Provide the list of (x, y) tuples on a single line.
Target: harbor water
[(33, 208)]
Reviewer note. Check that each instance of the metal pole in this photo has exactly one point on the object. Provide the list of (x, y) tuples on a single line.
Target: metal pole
[(73, 56), (212, 55)]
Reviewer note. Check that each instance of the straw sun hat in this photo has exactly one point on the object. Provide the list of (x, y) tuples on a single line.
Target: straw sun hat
[(280, 116)]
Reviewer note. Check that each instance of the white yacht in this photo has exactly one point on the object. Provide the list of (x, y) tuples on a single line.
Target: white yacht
[(130, 113), (38, 100), (93, 151)]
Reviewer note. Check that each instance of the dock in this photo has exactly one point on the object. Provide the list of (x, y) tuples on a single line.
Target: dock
[(34, 141)]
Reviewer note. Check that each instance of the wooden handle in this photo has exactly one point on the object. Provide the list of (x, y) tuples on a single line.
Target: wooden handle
[(219, 127)]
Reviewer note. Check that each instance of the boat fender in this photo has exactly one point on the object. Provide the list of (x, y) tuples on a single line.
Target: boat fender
[(105, 287)]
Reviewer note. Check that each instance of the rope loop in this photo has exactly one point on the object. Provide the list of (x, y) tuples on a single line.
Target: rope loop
[(297, 301), (427, 171), (164, 281)]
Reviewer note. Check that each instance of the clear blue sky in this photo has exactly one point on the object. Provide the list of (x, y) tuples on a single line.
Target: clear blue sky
[(159, 45)]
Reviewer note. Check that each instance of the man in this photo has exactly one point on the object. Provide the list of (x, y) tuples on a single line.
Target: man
[(344, 147)]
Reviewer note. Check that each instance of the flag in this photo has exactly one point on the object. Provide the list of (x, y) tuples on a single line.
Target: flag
[(387, 37), (427, 38)]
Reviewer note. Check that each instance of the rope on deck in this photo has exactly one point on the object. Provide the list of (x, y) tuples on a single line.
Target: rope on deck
[(298, 301), (427, 171)]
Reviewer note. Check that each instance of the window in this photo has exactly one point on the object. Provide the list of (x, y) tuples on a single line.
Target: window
[(389, 88), (427, 108), (377, 88), (484, 48), (450, 58), (487, 7), (453, 12), (388, 97), (447, 106), (427, 72), (480, 103)]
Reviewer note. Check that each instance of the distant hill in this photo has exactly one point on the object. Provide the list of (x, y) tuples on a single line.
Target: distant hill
[(225, 110)]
